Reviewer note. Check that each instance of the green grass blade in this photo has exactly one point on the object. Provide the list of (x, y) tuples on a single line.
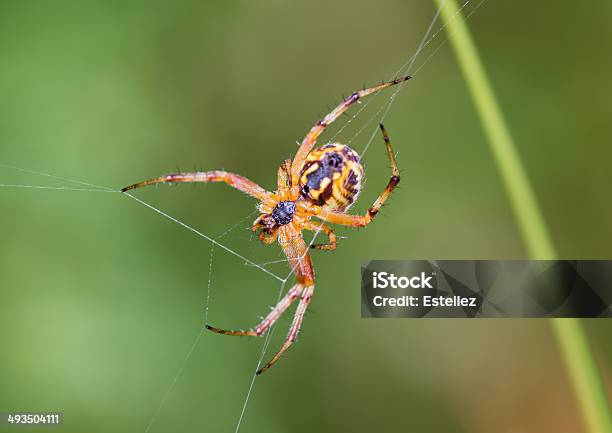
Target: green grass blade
[(570, 334), (515, 181), (585, 377)]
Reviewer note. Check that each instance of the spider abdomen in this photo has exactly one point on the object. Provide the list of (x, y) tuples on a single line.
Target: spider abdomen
[(332, 177)]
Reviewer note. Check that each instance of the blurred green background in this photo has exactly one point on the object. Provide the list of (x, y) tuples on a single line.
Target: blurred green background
[(101, 299)]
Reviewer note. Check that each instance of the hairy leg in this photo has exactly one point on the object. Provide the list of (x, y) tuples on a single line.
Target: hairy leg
[(311, 138), (295, 327), (284, 176), (234, 180), (269, 320), (319, 226)]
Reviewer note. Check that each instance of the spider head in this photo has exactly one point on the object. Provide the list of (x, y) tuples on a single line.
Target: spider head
[(268, 223), (283, 211)]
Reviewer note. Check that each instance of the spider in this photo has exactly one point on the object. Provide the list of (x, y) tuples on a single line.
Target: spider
[(321, 183)]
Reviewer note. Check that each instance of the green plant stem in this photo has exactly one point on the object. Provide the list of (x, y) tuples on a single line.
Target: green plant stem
[(570, 334), (586, 380)]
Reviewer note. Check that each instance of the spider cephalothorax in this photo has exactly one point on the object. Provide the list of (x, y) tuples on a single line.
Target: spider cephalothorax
[(321, 183), (283, 212)]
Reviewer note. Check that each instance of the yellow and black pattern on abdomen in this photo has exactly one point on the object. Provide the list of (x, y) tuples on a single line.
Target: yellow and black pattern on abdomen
[(332, 176)]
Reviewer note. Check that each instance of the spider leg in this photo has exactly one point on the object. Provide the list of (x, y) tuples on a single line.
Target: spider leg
[(319, 226), (268, 236), (272, 317), (234, 180), (311, 138), (296, 251), (295, 327), (268, 233), (364, 220), (284, 178)]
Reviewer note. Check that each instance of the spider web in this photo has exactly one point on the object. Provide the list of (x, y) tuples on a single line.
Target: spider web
[(432, 35)]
